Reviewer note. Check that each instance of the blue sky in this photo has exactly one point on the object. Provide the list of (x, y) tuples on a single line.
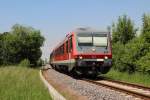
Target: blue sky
[(57, 17)]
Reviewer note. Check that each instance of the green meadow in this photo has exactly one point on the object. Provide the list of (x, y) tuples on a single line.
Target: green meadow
[(21, 83)]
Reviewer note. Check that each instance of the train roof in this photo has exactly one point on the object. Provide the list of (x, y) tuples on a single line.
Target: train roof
[(89, 30), (80, 30)]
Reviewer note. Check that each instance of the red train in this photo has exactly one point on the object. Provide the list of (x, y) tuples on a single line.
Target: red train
[(83, 51)]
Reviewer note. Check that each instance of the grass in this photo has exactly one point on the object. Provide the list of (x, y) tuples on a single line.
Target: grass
[(21, 83), (132, 78)]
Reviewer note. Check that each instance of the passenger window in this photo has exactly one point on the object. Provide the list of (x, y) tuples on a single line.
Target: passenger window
[(63, 49), (67, 46), (70, 44)]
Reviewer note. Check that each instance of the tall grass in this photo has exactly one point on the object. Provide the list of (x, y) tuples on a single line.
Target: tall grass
[(21, 83), (138, 78)]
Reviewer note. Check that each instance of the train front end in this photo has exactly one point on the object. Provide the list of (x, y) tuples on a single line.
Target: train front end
[(93, 52)]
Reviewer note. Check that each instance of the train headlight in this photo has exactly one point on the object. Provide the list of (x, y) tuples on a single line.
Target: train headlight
[(80, 57), (106, 57), (93, 50)]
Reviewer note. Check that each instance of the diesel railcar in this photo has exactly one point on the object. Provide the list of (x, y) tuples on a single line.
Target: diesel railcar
[(83, 51)]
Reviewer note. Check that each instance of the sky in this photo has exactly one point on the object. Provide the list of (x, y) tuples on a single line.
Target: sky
[(55, 18)]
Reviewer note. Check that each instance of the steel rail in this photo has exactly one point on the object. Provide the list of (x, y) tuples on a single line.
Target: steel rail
[(128, 91), (129, 84)]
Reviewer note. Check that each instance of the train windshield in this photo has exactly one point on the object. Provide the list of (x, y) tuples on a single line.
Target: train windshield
[(92, 42), (92, 39)]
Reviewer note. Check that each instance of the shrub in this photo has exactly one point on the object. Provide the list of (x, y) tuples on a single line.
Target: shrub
[(126, 56), (144, 63), (131, 54), (25, 63), (39, 62), (118, 52), (20, 43), (133, 51)]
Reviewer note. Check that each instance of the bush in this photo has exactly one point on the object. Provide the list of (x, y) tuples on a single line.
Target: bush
[(144, 63), (39, 62), (133, 51), (132, 55), (20, 43), (125, 57), (25, 63), (118, 52)]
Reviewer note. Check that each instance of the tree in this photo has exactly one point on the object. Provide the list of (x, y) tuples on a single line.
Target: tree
[(19, 44), (118, 51), (146, 23), (144, 63), (4, 48), (146, 27), (123, 30), (1, 49), (30, 43), (131, 55)]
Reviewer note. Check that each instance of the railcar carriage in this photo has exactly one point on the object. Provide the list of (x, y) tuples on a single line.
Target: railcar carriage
[(83, 51)]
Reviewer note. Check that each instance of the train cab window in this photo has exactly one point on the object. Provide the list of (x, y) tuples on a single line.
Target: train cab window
[(85, 39), (92, 39), (100, 40)]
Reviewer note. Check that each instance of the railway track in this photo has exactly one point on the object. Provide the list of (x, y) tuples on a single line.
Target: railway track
[(128, 88)]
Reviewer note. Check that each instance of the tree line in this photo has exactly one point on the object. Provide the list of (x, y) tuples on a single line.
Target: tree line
[(131, 52), (21, 43)]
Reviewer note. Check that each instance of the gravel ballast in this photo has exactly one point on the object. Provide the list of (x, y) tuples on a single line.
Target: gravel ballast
[(83, 88)]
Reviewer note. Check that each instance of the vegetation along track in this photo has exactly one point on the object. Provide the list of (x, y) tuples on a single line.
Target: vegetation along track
[(129, 88)]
